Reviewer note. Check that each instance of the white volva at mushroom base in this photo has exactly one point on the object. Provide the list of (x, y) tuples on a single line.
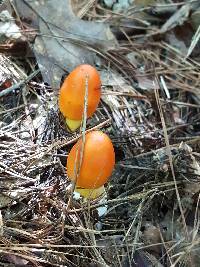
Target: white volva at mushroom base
[(99, 196)]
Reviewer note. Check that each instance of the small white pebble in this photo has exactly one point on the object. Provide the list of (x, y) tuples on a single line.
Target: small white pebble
[(103, 209)]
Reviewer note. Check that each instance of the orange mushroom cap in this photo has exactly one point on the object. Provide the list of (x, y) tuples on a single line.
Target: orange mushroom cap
[(97, 163), (72, 94)]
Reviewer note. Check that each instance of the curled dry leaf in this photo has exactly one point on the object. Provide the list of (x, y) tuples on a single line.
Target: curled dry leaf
[(64, 41)]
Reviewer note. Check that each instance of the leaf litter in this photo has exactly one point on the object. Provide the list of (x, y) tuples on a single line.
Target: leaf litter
[(150, 108)]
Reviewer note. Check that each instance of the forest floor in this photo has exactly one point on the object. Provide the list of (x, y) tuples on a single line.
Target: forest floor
[(148, 55)]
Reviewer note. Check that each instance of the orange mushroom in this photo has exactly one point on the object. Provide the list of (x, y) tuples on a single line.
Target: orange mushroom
[(98, 160), (73, 92)]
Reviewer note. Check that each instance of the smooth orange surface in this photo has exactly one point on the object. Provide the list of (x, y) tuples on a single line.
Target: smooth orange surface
[(98, 160), (72, 92)]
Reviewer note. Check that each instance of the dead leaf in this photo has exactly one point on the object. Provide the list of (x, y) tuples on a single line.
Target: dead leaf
[(178, 18), (65, 41), (151, 235), (16, 260), (8, 28), (179, 44), (195, 19), (141, 258), (144, 3), (146, 82)]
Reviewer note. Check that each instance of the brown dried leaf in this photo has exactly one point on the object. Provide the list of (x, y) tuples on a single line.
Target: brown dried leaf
[(65, 40)]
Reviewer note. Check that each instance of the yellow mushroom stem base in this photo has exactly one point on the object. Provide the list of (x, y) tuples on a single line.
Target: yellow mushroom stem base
[(90, 193), (73, 125)]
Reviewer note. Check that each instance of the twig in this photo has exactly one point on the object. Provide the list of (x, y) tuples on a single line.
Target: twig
[(194, 42), (168, 150)]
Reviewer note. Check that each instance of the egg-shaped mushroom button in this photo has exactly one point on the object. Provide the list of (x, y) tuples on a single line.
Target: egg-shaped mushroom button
[(73, 91), (98, 160)]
